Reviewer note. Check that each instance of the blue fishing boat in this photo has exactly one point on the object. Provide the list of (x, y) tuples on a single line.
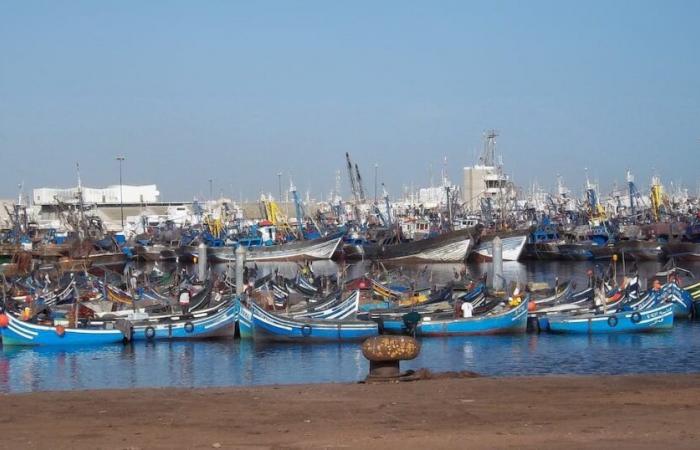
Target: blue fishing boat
[(512, 320), (694, 291), (254, 322), (17, 332), (216, 322), (682, 300), (337, 311), (659, 316)]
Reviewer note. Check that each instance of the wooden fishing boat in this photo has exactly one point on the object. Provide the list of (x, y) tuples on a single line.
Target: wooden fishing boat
[(694, 290), (17, 332), (580, 251), (682, 251), (313, 249), (453, 246), (638, 250), (511, 320), (681, 299), (434, 302), (154, 253), (215, 322), (513, 245), (387, 292), (256, 323), (656, 317), (543, 251), (333, 311), (543, 242)]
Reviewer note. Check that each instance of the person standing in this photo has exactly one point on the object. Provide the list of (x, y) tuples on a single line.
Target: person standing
[(467, 310), (185, 301)]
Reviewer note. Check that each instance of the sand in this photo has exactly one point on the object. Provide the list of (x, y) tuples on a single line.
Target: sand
[(618, 412)]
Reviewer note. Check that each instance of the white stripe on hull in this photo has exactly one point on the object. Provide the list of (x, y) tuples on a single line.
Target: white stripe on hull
[(512, 248), (323, 250), (453, 252)]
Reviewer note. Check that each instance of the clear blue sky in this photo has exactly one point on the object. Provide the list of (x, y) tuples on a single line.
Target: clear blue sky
[(238, 91)]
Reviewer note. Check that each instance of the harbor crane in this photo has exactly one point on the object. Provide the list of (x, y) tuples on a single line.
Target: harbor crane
[(354, 188)]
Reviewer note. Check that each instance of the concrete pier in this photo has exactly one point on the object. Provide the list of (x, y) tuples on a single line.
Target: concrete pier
[(202, 261), (240, 266), (497, 280)]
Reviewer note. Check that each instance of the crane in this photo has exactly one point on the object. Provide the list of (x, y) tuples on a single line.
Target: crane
[(354, 189), (359, 184)]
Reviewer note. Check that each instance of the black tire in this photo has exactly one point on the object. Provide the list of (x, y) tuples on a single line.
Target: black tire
[(612, 321), (189, 327), (306, 330), (636, 317), (150, 333)]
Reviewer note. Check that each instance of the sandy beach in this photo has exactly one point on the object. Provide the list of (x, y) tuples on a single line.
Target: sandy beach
[(542, 412)]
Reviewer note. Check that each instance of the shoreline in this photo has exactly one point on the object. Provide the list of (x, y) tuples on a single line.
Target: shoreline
[(628, 411)]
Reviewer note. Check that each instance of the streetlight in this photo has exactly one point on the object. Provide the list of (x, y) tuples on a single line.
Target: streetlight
[(376, 167), (121, 158), (279, 185)]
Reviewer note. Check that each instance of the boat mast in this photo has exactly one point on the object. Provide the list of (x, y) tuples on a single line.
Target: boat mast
[(81, 211)]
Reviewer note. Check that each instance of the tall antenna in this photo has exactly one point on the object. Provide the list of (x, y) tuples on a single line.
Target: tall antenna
[(444, 171), (337, 186), (488, 158)]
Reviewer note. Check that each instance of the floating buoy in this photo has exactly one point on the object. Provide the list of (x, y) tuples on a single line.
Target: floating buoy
[(60, 330), (4, 321)]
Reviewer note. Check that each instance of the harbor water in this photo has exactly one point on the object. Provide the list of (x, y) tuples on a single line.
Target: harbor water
[(241, 363)]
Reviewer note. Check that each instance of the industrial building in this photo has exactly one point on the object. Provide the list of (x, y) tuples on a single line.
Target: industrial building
[(111, 195)]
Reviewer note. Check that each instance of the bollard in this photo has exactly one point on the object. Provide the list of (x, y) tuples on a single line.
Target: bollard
[(240, 265), (202, 261), (384, 354), (497, 264)]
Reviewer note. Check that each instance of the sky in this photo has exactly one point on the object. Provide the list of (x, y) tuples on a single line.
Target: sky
[(237, 92)]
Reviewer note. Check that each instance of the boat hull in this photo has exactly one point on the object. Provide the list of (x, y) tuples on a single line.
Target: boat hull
[(512, 249), (449, 247), (262, 326), (682, 251), (317, 249), (650, 319), (219, 325), (511, 322), (19, 333)]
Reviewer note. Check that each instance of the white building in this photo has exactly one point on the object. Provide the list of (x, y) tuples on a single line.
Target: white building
[(111, 195), (486, 178), (483, 182), (432, 197)]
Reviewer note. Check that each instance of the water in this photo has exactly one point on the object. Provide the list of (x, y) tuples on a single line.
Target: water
[(241, 363)]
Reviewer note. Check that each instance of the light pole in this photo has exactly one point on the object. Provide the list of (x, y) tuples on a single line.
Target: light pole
[(376, 167), (121, 159), (279, 186)]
